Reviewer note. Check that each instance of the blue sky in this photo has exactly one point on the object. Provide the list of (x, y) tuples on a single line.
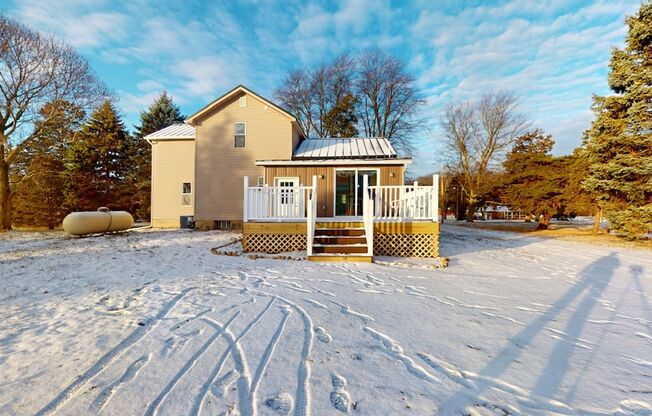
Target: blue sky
[(552, 54)]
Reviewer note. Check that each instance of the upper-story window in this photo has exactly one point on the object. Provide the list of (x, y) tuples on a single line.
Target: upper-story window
[(240, 134), (243, 101)]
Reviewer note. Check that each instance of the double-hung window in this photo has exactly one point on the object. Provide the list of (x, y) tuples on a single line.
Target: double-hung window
[(240, 130)]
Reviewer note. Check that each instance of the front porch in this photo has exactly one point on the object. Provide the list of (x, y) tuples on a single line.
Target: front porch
[(395, 220)]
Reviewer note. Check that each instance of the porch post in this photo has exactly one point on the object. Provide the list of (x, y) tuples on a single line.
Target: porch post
[(245, 199), (435, 198)]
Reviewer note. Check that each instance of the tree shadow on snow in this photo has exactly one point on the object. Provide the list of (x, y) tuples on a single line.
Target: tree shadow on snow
[(593, 280)]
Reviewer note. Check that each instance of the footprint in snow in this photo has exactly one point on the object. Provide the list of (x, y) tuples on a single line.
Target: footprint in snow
[(322, 335), (221, 385), (281, 403), (340, 398)]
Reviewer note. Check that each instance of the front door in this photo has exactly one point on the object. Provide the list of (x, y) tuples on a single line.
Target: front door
[(348, 190), (287, 199)]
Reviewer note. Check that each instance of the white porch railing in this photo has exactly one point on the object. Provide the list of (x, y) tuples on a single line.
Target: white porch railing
[(276, 203), (406, 202)]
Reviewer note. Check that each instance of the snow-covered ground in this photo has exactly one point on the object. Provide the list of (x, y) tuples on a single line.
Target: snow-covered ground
[(153, 323)]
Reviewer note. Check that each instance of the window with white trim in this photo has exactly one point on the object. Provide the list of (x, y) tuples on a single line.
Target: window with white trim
[(186, 193), (243, 101), (240, 132), (260, 181)]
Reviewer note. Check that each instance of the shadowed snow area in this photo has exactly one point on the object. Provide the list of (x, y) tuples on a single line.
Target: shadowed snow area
[(152, 323)]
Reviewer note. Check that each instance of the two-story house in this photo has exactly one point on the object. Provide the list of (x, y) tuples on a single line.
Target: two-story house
[(244, 162)]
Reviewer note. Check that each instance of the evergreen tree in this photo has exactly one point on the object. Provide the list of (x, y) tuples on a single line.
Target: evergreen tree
[(619, 143), (39, 200), (98, 163), (532, 181), (340, 121), (38, 172), (160, 114)]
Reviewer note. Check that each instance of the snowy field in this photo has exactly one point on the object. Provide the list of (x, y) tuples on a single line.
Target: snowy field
[(153, 323)]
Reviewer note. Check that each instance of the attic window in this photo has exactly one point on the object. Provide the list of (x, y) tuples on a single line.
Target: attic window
[(240, 130), (243, 101)]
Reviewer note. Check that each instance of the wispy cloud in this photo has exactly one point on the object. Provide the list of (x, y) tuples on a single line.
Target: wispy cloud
[(553, 54)]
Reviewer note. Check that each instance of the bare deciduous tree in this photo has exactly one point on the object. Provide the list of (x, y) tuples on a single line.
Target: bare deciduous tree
[(477, 135), (385, 97), (389, 99), (35, 70)]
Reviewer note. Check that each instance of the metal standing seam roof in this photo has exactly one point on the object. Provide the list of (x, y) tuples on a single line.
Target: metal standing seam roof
[(348, 148), (175, 131)]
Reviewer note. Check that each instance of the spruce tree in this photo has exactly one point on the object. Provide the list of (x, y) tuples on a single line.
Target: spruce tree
[(98, 163), (163, 112), (619, 142)]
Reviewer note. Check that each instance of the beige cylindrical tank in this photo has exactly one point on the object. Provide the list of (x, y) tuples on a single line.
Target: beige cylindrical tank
[(101, 221)]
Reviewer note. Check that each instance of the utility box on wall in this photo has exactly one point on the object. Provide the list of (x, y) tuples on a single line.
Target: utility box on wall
[(187, 221)]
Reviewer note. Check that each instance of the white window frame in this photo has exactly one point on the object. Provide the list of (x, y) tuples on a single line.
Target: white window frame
[(235, 135), (242, 101), (356, 188), (184, 194)]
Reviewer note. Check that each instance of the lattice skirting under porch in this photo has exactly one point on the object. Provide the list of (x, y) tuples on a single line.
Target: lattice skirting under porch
[(273, 243), (406, 245)]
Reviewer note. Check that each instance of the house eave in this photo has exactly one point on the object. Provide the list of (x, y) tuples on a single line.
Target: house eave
[(335, 162)]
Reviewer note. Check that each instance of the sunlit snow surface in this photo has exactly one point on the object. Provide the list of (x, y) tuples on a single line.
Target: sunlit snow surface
[(153, 323)]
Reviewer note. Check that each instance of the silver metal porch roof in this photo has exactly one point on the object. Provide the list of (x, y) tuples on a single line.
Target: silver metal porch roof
[(347, 148)]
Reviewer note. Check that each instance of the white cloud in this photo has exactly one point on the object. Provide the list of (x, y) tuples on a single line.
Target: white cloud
[(74, 22)]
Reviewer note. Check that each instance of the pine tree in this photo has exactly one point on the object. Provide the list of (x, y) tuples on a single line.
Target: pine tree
[(38, 172), (619, 142), (340, 121), (39, 199), (531, 180), (160, 114), (98, 163)]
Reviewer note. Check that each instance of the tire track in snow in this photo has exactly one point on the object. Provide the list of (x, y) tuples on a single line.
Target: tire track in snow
[(233, 343), (153, 407), (235, 349), (262, 365), (113, 355), (302, 396), (131, 373)]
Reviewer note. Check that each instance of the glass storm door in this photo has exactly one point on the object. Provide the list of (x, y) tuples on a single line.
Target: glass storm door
[(348, 191)]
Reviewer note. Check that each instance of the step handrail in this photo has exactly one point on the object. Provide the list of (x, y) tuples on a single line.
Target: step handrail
[(368, 215), (311, 220)]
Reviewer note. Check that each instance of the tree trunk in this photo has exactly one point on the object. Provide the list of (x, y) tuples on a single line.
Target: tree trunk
[(5, 193), (544, 220), (597, 220), (470, 212)]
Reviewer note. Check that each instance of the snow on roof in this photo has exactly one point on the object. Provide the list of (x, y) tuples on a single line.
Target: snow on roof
[(345, 148), (175, 131)]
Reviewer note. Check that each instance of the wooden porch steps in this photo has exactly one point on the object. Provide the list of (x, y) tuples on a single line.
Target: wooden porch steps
[(339, 244)]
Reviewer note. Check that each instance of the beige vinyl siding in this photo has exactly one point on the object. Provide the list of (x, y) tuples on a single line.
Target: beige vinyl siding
[(326, 186), (220, 166), (173, 162)]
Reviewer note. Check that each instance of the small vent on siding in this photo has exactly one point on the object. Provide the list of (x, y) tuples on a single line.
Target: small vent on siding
[(243, 101)]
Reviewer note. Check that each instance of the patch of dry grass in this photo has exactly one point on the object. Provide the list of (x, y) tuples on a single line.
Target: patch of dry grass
[(562, 230)]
